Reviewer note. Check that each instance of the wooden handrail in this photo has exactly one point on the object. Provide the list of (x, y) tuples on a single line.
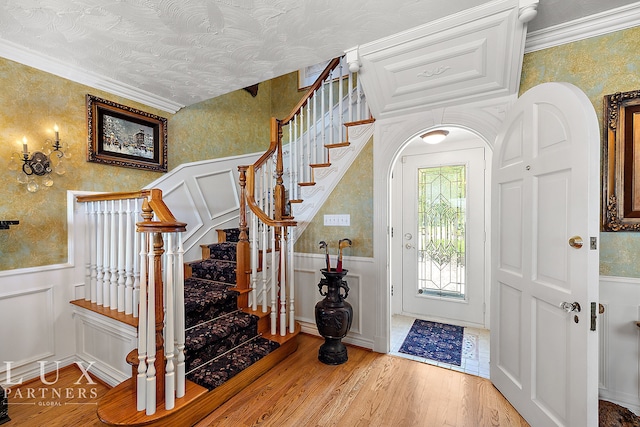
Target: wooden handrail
[(275, 145), (166, 221), (330, 67), (251, 201)]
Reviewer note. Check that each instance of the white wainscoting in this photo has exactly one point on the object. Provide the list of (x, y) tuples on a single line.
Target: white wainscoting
[(361, 281), (620, 341), (104, 343)]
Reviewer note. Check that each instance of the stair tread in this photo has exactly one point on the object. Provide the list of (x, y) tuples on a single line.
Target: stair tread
[(338, 145), (225, 367), (306, 184), (320, 165)]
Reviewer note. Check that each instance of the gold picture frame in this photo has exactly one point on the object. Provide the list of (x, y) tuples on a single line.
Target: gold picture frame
[(621, 162), (123, 136)]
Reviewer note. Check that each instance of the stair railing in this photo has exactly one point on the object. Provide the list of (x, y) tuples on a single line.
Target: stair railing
[(319, 122), (136, 268)]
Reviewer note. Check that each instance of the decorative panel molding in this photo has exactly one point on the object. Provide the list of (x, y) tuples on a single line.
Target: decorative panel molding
[(183, 206), (106, 343), (225, 197), (37, 322), (462, 58), (361, 296)]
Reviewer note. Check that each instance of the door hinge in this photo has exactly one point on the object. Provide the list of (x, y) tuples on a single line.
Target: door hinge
[(594, 315), (391, 290), (593, 243)]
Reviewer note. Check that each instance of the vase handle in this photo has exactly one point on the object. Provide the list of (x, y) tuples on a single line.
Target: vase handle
[(345, 286)]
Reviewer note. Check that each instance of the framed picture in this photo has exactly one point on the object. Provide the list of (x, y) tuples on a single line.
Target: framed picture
[(621, 162), (123, 136)]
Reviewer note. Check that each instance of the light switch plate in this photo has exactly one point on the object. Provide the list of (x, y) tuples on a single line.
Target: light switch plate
[(342, 220)]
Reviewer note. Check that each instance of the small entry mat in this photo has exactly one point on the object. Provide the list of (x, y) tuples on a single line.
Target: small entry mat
[(436, 341)]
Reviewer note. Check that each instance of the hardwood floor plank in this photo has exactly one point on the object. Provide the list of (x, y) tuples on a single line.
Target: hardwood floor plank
[(61, 403), (371, 389)]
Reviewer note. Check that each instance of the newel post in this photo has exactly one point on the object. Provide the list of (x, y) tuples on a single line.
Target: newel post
[(243, 254)]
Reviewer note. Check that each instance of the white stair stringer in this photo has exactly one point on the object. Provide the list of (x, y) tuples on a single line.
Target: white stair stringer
[(326, 179)]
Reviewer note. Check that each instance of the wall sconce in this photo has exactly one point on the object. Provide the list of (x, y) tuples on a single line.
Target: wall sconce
[(39, 164), (434, 136)]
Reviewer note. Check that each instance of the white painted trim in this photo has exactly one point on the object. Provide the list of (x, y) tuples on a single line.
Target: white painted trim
[(54, 66), (311, 329), (599, 24)]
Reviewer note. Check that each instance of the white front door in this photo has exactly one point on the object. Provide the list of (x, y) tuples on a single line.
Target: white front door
[(544, 349), (443, 235)]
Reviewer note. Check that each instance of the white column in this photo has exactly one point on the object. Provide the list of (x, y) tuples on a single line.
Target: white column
[(169, 327), (254, 261), (100, 252), (90, 292), (179, 326), (136, 259), (121, 250), (113, 258), (151, 330), (130, 256), (87, 252), (274, 309), (283, 281), (141, 380), (290, 279)]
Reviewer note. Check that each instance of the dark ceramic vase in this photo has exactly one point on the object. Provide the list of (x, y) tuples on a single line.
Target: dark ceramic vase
[(333, 317)]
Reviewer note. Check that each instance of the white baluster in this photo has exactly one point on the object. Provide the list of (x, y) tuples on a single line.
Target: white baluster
[(274, 311), (151, 331), (141, 380), (315, 126), (94, 256), (330, 107), (87, 252), (136, 259), (310, 151), (180, 335), (104, 251), (169, 327), (264, 245), (100, 267), (121, 256), (350, 92), (283, 281), (290, 279), (340, 99), (323, 137), (106, 243), (113, 258), (129, 259), (359, 99), (254, 262)]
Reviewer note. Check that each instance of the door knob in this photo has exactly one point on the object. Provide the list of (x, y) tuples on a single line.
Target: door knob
[(575, 242), (569, 307)]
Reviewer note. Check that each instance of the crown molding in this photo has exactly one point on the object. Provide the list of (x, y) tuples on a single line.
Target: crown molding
[(595, 25), (51, 65)]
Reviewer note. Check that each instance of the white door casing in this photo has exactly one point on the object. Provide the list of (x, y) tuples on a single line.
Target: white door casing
[(545, 191), (469, 311)]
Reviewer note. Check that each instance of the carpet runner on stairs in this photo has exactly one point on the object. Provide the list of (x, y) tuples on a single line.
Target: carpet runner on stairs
[(221, 340)]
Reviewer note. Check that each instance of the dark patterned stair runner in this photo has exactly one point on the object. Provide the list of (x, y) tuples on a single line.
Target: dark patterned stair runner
[(221, 340)]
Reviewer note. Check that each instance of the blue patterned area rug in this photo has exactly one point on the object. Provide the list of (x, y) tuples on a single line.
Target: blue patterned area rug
[(435, 341)]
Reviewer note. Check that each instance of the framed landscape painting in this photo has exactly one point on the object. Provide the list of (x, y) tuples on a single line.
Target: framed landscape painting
[(124, 136)]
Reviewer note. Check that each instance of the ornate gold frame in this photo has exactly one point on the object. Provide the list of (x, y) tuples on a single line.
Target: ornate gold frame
[(149, 155), (621, 162)]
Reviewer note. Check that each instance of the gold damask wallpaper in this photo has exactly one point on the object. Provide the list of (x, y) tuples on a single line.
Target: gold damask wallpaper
[(32, 102), (599, 66)]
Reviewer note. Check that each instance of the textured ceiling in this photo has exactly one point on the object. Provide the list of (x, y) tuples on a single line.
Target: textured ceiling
[(187, 51)]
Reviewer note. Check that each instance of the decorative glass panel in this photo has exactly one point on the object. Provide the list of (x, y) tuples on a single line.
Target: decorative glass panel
[(441, 231)]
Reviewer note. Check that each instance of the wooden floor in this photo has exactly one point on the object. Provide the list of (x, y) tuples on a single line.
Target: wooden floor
[(60, 404), (371, 389)]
